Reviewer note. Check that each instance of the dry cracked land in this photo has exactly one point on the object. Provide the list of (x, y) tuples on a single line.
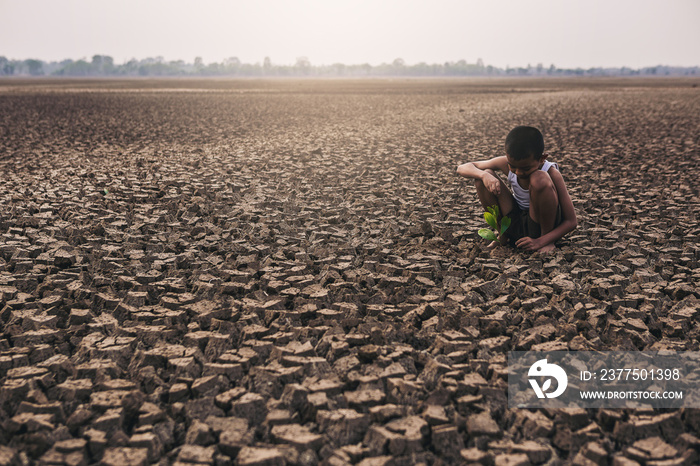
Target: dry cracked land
[(288, 272)]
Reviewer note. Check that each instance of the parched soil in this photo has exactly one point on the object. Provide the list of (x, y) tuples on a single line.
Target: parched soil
[(288, 272)]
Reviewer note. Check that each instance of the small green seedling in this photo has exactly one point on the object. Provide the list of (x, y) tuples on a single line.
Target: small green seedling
[(106, 191), (491, 218)]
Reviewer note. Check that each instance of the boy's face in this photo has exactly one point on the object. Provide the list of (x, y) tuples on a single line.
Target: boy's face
[(525, 167)]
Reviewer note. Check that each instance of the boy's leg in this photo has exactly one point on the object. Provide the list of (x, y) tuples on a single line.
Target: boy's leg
[(544, 201), (504, 200)]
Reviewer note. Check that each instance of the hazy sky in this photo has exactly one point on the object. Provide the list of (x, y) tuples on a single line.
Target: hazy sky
[(567, 33)]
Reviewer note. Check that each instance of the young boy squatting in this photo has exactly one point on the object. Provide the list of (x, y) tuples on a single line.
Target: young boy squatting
[(539, 206)]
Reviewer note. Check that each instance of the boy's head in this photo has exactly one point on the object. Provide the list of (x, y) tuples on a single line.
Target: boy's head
[(524, 142)]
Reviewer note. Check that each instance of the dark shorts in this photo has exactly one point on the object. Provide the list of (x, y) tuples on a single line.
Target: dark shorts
[(521, 225)]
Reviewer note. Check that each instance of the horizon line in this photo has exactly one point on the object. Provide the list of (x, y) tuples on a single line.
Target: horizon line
[(161, 59)]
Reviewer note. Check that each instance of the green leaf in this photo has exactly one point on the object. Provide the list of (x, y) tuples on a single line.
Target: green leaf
[(505, 223), (491, 220), (106, 191), (494, 210), (487, 234)]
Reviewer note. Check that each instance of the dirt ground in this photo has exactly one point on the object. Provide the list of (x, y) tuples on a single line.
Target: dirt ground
[(265, 272)]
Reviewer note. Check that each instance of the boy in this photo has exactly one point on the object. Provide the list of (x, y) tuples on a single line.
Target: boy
[(539, 206)]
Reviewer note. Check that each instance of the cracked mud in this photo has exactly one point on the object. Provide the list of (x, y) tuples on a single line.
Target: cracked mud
[(288, 272)]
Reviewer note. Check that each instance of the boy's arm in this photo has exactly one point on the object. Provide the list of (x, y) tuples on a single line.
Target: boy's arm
[(477, 170), (569, 222)]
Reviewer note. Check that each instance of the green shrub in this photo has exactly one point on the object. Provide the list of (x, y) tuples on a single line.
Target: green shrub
[(491, 217)]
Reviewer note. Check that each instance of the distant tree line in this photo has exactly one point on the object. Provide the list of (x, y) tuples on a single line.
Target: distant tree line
[(103, 65)]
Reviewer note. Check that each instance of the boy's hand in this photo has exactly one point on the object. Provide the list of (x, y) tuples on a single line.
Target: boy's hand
[(492, 183), (529, 244)]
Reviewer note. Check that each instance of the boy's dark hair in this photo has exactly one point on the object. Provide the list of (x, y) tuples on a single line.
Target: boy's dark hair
[(523, 142)]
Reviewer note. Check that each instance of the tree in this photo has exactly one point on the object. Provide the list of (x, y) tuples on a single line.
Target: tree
[(399, 63), (338, 68), (303, 64), (131, 67), (78, 68), (35, 67), (232, 65), (198, 63), (5, 66), (103, 64)]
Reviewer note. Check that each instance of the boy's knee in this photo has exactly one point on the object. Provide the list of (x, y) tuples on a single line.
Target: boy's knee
[(541, 181), (542, 188)]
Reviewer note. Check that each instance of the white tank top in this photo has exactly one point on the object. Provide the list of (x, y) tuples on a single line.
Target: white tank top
[(522, 196)]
